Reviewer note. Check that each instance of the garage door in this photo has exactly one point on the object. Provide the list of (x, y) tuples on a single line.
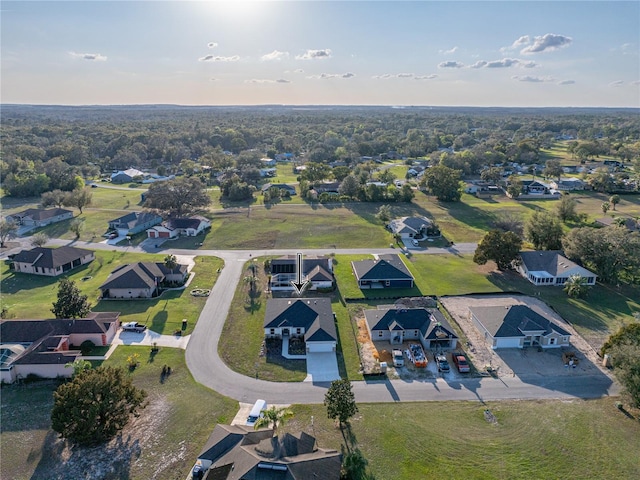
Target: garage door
[(164, 234), (508, 343)]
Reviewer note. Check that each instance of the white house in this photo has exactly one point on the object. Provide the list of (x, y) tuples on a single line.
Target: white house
[(550, 267)]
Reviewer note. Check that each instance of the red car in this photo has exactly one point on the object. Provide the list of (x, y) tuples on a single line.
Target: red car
[(460, 362)]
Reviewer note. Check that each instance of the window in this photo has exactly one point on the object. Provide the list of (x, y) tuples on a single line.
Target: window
[(298, 331), (380, 333), (387, 283), (552, 341), (272, 331)]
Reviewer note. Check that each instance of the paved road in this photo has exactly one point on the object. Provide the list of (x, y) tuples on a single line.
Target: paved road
[(208, 368)]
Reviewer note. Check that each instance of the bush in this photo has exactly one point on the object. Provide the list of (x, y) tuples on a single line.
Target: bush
[(86, 347)]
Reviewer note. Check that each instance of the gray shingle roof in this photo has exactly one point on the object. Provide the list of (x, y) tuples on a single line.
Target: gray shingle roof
[(387, 267), (51, 257), (140, 275), (513, 320), (41, 214), (550, 261), (428, 321), (315, 315)]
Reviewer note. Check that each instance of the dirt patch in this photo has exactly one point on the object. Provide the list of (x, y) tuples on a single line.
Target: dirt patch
[(511, 362)]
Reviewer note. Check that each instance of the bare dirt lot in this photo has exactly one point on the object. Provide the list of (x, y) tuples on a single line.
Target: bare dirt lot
[(528, 361)]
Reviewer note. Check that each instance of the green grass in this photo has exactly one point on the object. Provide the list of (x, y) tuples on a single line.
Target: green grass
[(183, 413), (31, 296), (544, 439)]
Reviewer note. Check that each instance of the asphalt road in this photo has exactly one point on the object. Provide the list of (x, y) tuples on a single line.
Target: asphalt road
[(208, 368)]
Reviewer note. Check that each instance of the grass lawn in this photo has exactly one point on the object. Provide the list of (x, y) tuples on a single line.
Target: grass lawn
[(163, 443), (246, 320), (532, 439), (31, 296)]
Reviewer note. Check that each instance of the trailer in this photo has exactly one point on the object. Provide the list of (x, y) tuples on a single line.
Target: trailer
[(416, 354)]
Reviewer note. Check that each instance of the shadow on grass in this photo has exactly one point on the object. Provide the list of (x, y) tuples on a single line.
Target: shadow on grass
[(159, 320)]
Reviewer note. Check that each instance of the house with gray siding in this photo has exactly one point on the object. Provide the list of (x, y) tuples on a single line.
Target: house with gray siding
[(135, 222), (40, 217), (386, 271), (141, 280), (51, 261)]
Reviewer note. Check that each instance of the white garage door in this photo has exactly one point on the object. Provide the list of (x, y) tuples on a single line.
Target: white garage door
[(508, 343)]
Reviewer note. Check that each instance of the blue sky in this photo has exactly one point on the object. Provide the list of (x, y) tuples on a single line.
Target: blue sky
[(329, 52)]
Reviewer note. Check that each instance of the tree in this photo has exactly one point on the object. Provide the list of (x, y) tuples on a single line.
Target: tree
[(340, 401), (349, 186), (54, 197), (384, 213), (508, 221), (624, 349), (8, 230), (514, 186), (576, 286), (170, 262), (501, 247), (614, 200), (605, 207), (566, 208), (552, 168), (444, 183), (178, 196), (340, 173), (386, 176), (491, 175), (544, 230), (96, 405), (274, 416), (406, 193), (79, 198), (316, 172), (40, 239), (611, 252), (71, 303), (77, 226), (79, 365)]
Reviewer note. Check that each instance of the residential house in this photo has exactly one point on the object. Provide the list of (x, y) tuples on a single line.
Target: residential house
[(517, 326), (280, 186), (141, 280), (308, 318), (39, 217), (550, 267), (285, 157), (318, 271), (386, 271), (176, 227), (239, 452), (413, 227), (135, 222), (44, 347), (398, 324), (326, 187), (268, 162), (126, 176), (268, 172), (51, 261), (568, 184), (629, 223), (537, 189)]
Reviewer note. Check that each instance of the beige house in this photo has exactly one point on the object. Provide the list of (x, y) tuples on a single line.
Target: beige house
[(142, 280), (39, 217), (51, 261)]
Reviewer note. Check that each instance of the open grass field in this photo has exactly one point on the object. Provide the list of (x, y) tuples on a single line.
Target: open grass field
[(544, 439), (162, 443), (31, 296)]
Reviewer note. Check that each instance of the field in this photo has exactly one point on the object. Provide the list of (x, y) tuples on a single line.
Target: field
[(31, 296)]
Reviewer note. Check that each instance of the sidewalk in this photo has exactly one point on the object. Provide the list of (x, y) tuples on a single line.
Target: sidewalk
[(148, 338)]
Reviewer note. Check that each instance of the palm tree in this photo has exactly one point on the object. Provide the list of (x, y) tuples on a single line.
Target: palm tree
[(576, 286), (274, 416), (170, 262), (605, 207)]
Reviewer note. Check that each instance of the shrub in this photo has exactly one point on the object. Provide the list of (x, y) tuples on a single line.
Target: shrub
[(86, 347)]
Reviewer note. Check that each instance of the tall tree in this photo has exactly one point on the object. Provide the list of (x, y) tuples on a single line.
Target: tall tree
[(349, 186), (178, 196), (54, 197), (624, 349), (491, 175), (614, 200), (544, 230), (96, 405), (566, 208), (340, 401), (77, 226), (552, 169), (78, 198), (8, 230), (501, 247), (171, 262), (508, 221), (444, 183), (514, 186), (71, 303), (40, 239)]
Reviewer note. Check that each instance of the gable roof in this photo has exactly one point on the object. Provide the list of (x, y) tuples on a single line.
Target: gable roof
[(513, 320), (430, 322), (386, 267), (310, 265), (140, 275), (185, 222), (132, 219), (240, 452), (41, 214), (551, 262), (315, 315), (51, 257), (409, 224)]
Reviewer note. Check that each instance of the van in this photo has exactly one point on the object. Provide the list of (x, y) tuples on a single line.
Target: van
[(415, 243), (256, 412)]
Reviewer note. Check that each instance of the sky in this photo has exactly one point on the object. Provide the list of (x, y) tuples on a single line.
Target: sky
[(453, 53)]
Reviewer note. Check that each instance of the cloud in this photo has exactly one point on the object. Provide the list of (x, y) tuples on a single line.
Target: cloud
[(448, 52), (89, 56), (314, 54), (425, 77), (616, 83), (523, 40), (212, 44), (531, 79), (275, 55), (546, 43), (505, 63), (217, 58), (635, 82), (566, 82), (264, 80), (478, 64), (450, 64), (325, 76), (386, 76)]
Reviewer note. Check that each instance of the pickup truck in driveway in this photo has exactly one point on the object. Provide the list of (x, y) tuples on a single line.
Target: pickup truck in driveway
[(398, 358), (133, 327), (441, 361), (460, 362)]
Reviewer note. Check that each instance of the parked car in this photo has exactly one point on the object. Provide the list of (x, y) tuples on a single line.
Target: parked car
[(113, 235), (398, 358), (133, 327), (460, 362), (443, 364), (415, 242)]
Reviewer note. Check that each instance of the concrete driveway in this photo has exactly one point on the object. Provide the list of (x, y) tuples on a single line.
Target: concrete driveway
[(322, 367)]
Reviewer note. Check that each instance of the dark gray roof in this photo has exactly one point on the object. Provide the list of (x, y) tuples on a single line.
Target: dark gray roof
[(315, 315), (550, 261), (140, 275), (51, 257), (187, 222), (41, 214), (513, 320), (430, 322), (288, 264), (132, 219), (409, 224), (290, 188), (387, 267), (240, 453)]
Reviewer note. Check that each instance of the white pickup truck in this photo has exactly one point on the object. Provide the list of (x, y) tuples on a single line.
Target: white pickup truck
[(133, 327), (398, 358)]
